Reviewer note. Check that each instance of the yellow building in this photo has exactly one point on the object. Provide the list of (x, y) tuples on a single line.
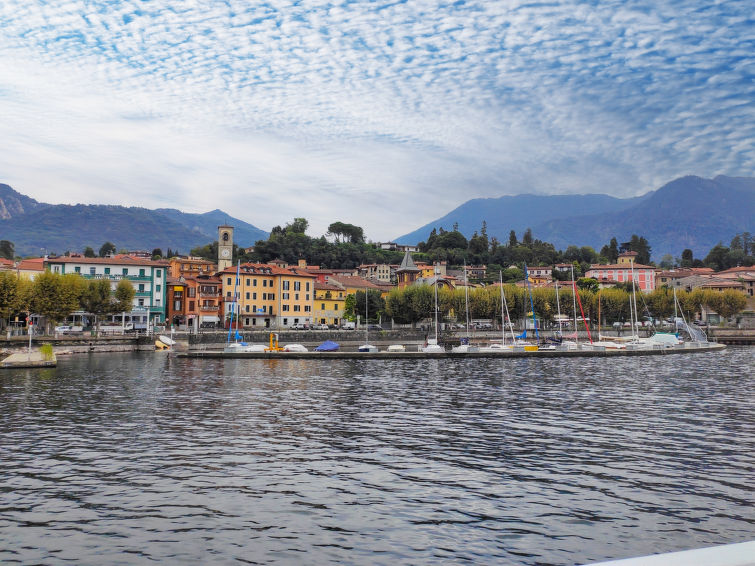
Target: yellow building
[(268, 295), (330, 302)]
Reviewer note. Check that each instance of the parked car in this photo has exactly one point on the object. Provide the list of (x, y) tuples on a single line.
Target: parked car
[(62, 329), (299, 326), (374, 327), (320, 327), (348, 326)]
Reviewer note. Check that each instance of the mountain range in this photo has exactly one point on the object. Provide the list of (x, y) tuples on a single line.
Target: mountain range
[(36, 228), (689, 212)]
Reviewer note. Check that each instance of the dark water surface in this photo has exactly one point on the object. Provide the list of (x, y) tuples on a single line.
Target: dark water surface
[(139, 458)]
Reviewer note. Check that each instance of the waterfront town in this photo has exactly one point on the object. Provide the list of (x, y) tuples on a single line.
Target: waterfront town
[(193, 294)]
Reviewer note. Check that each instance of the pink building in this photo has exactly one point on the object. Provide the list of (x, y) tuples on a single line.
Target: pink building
[(621, 272)]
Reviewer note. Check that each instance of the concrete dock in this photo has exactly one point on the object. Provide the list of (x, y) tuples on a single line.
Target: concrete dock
[(687, 348), (33, 359)]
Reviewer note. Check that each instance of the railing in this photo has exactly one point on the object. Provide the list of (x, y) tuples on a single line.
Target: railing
[(211, 295), (209, 308), (116, 277)]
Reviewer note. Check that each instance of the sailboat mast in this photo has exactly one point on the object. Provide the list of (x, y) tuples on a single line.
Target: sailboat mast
[(574, 300), (634, 301), (235, 303), (435, 270), (503, 319), (558, 306), (366, 319), (466, 297), (532, 304)]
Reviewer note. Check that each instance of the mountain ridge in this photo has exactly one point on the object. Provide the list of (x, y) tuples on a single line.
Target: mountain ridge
[(36, 228), (688, 212)]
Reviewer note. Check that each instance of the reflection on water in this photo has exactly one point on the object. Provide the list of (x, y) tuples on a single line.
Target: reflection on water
[(129, 458)]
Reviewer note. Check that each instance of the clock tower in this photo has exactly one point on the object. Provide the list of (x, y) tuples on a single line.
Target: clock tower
[(225, 247)]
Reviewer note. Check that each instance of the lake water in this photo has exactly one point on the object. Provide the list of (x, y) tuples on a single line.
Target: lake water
[(143, 458)]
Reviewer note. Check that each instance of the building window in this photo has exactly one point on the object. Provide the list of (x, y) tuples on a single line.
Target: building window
[(228, 281), (335, 307), (77, 269), (141, 302), (254, 282), (246, 307), (247, 282), (285, 322), (107, 271), (177, 306), (323, 307), (285, 296), (307, 308), (307, 288), (306, 297), (297, 308), (285, 285), (92, 271), (271, 296), (141, 287), (157, 288), (191, 305), (284, 308), (264, 296), (141, 273), (297, 285), (247, 295), (264, 282), (296, 296), (159, 273)]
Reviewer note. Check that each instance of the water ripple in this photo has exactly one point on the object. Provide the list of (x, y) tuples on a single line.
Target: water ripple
[(126, 458)]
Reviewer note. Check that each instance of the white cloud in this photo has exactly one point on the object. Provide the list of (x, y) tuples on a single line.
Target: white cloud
[(382, 114)]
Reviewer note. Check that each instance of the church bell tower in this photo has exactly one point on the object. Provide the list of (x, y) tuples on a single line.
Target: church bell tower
[(225, 247)]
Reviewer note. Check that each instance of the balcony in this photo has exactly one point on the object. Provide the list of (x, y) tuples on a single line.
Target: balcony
[(210, 295), (209, 308)]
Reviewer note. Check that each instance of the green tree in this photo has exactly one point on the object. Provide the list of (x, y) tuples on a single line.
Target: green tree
[(89, 252), (7, 249), (588, 284), (157, 253), (106, 249), (298, 226), (512, 239), (124, 296), (8, 294), (346, 232), (97, 298), (687, 258), (726, 303), (55, 296), (641, 246), (717, 257), (376, 304), (611, 251)]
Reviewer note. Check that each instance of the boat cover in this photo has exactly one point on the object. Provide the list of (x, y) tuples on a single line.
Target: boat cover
[(327, 346)]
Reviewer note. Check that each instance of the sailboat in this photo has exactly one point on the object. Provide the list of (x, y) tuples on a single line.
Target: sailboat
[(367, 347), (238, 344), (521, 340), (494, 347), (605, 344), (432, 346), (466, 346)]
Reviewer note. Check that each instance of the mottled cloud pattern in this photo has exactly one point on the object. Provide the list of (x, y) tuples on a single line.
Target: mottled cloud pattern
[(386, 114)]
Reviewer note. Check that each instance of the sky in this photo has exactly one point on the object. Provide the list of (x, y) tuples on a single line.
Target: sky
[(383, 114)]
